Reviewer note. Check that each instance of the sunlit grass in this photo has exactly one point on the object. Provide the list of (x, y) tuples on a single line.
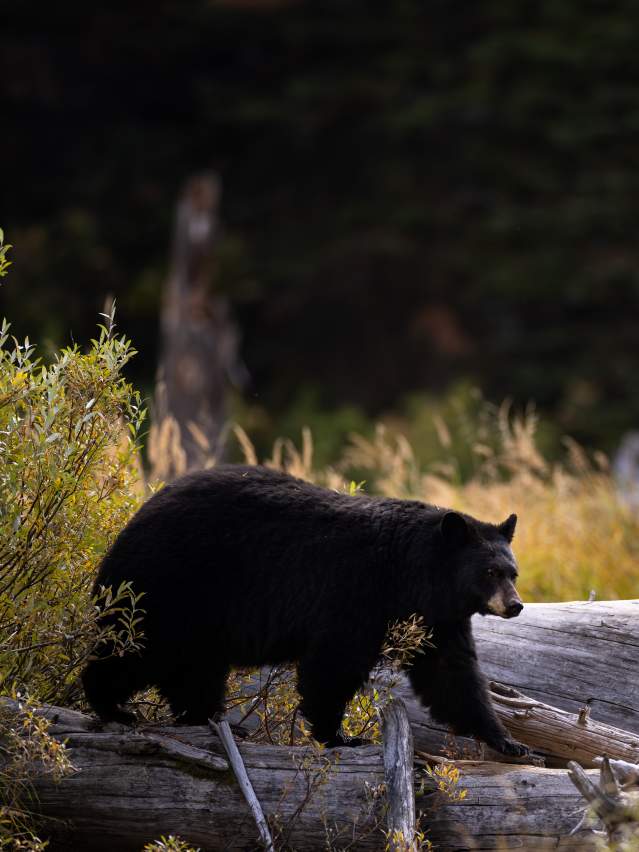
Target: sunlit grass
[(575, 534)]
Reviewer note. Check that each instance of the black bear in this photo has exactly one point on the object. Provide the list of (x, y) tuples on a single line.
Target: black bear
[(247, 566)]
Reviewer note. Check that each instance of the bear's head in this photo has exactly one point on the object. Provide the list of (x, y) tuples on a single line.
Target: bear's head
[(483, 565)]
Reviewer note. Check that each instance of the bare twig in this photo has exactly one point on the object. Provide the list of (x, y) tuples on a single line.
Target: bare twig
[(223, 730)]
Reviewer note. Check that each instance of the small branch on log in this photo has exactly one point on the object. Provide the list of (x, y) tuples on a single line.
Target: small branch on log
[(627, 773), (150, 745), (560, 735), (223, 730), (398, 772), (617, 808)]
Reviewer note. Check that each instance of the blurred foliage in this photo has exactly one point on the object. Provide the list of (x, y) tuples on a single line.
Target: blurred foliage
[(4, 263), (330, 427), (413, 192)]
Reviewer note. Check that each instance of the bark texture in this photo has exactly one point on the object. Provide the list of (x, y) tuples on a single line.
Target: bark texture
[(507, 807), (398, 772), (126, 793)]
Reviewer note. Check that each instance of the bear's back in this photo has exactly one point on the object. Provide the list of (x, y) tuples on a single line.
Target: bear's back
[(232, 520), (257, 557)]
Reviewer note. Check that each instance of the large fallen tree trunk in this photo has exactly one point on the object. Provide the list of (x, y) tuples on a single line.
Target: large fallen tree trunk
[(132, 786), (568, 655), (126, 793)]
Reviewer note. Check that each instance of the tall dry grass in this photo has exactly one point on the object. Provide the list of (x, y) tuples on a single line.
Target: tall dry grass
[(575, 535)]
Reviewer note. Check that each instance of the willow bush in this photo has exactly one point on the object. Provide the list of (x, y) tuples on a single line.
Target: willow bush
[(69, 480)]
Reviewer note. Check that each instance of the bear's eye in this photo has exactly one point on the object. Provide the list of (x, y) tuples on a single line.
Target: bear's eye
[(490, 572)]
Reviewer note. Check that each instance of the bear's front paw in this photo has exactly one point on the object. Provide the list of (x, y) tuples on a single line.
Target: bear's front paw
[(512, 748)]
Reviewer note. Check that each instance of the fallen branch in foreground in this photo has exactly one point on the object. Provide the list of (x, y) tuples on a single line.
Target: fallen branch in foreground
[(223, 730), (614, 800)]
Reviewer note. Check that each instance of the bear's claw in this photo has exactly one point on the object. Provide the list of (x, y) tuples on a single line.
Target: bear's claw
[(513, 748)]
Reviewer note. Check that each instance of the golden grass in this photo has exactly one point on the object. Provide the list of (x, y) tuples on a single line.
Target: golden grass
[(574, 535)]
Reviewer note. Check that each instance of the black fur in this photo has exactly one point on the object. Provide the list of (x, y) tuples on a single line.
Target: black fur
[(245, 566)]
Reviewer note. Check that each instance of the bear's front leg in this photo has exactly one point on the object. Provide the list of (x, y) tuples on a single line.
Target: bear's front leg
[(447, 679)]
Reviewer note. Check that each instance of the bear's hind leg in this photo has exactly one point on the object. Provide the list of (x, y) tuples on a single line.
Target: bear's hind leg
[(195, 696), (110, 682), (325, 692)]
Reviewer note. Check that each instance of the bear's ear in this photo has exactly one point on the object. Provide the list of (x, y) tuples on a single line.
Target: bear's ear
[(507, 529), (454, 529)]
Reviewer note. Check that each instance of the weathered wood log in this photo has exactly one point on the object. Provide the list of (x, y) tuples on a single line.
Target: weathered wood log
[(122, 796), (506, 807), (567, 655), (398, 774)]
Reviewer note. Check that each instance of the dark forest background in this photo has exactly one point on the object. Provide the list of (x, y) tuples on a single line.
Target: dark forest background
[(419, 198)]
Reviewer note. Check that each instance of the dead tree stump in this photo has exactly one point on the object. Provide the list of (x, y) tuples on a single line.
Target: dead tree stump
[(199, 341)]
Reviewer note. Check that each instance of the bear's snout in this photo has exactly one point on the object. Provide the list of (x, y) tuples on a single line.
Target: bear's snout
[(514, 609), (505, 602)]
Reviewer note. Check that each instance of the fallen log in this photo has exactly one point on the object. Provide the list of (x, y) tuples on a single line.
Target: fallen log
[(570, 656), (121, 800), (124, 795), (507, 807)]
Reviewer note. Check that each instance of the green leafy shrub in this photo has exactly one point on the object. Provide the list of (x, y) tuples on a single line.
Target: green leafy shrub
[(69, 480)]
